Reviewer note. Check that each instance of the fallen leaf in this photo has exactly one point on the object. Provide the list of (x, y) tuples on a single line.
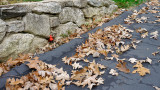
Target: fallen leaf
[(148, 60), (76, 65), (140, 69), (155, 53), (157, 88), (154, 35), (132, 60), (113, 72), (122, 67)]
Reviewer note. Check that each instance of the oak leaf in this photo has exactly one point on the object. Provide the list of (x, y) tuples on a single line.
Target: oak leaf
[(140, 69), (122, 67)]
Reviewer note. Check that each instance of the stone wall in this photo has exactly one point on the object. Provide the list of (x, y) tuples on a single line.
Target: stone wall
[(25, 26)]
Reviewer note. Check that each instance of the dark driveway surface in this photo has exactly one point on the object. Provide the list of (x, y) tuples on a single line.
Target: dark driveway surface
[(123, 81)]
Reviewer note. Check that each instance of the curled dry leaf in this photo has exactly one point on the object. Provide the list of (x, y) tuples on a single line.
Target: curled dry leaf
[(122, 66), (155, 53), (113, 72), (140, 69), (133, 60), (154, 35), (144, 35), (76, 65), (148, 60), (157, 88)]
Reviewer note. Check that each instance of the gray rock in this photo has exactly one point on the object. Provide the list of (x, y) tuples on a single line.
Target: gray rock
[(16, 10), (37, 24), (54, 21), (15, 26), (76, 3), (112, 8), (91, 11), (19, 43), (2, 29), (99, 3), (95, 3), (72, 14), (48, 7), (64, 28)]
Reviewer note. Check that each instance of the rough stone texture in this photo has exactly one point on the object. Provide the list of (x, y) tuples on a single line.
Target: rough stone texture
[(37, 24), (90, 11), (54, 21), (48, 7), (98, 3), (19, 43), (111, 8), (72, 14), (15, 26), (16, 10), (63, 28), (76, 3), (2, 29)]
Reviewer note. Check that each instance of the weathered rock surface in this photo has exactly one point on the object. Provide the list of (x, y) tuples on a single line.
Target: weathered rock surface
[(15, 26), (54, 21), (90, 11), (48, 7), (37, 24), (2, 29), (19, 43), (72, 14), (98, 3), (76, 3), (111, 8), (16, 10), (64, 28)]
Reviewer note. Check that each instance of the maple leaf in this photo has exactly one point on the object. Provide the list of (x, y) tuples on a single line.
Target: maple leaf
[(122, 67), (140, 69), (113, 72)]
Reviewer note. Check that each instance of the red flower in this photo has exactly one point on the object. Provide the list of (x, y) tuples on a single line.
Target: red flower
[(51, 38)]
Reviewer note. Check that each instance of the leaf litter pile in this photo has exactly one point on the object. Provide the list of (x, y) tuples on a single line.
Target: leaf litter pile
[(109, 42)]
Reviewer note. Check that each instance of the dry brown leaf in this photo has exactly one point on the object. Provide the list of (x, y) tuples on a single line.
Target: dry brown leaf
[(94, 67), (125, 48), (144, 35), (140, 69), (122, 67), (155, 53)]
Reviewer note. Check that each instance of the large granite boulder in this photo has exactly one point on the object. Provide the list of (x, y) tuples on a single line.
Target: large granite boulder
[(91, 11), (19, 43), (15, 26), (69, 14), (64, 28), (16, 10), (76, 3), (54, 21), (48, 7), (2, 29), (99, 3), (37, 24)]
